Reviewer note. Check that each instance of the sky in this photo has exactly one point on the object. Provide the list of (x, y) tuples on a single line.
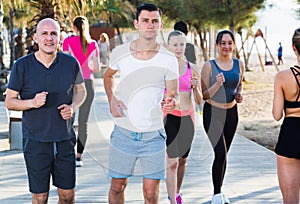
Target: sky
[(278, 22)]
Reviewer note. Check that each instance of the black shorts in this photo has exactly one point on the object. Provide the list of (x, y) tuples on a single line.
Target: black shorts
[(289, 138), (44, 159), (180, 134)]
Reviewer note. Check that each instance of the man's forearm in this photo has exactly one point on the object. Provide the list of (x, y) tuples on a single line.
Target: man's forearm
[(108, 86), (18, 104)]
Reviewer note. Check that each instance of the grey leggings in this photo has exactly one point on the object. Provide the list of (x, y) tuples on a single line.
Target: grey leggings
[(83, 115)]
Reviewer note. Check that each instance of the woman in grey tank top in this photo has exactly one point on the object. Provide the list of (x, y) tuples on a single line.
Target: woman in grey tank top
[(221, 81)]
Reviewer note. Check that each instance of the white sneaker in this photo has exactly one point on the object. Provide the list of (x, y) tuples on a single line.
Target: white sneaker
[(225, 199), (217, 199), (78, 162)]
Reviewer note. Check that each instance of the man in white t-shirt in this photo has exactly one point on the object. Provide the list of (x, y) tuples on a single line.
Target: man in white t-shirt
[(145, 68)]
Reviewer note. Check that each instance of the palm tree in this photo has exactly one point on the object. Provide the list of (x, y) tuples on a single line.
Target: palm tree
[(15, 14), (1, 35), (114, 12)]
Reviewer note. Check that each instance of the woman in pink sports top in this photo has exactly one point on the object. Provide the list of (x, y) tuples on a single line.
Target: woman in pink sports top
[(179, 124), (86, 51)]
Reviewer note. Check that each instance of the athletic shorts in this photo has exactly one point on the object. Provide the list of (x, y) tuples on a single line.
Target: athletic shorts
[(44, 159), (126, 147), (180, 134), (288, 144)]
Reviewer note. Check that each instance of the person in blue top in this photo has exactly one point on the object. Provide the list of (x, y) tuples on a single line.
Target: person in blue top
[(279, 53), (48, 87), (221, 82)]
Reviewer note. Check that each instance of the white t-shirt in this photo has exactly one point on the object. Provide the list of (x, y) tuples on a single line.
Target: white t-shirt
[(141, 87), (103, 46)]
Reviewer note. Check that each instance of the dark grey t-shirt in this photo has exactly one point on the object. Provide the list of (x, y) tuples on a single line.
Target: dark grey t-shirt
[(190, 53), (29, 77)]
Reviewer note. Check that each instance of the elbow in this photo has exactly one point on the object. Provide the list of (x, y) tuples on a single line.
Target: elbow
[(10, 107), (8, 104), (205, 97), (277, 116)]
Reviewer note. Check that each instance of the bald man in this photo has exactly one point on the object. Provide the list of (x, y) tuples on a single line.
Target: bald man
[(48, 87)]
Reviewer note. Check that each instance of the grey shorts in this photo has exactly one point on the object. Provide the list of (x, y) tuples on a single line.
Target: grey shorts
[(126, 147)]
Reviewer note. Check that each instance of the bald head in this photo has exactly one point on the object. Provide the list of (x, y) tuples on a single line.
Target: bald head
[(47, 21), (47, 36)]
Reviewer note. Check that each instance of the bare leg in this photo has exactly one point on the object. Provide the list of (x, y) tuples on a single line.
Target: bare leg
[(66, 196), (288, 170), (40, 198), (117, 190), (171, 180), (79, 155), (180, 173), (151, 191)]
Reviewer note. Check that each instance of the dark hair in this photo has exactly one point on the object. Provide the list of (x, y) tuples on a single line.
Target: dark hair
[(147, 7), (181, 26), (296, 40), (220, 36), (82, 24)]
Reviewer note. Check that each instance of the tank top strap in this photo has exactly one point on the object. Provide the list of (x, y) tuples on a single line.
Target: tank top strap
[(296, 73), (189, 70), (188, 65)]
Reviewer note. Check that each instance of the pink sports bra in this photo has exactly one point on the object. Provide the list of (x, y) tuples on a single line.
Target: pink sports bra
[(185, 80)]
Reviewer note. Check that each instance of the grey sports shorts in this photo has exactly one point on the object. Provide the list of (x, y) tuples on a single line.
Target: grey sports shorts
[(127, 147)]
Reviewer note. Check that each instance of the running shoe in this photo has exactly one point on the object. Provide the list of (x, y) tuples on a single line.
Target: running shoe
[(179, 198), (217, 199), (78, 162), (226, 200)]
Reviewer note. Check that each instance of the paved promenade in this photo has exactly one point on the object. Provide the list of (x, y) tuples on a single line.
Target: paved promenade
[(250, 177)]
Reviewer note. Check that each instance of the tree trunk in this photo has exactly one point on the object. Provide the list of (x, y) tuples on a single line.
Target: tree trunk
[(19, 44), (246, 63), (119, 34), (1, 34), (12, 39), (202, 45)]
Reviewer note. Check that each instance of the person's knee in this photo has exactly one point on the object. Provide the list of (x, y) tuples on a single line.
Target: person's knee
[(182, 161), (220, 154), (41, 198), (151, 195), (118, 187), (173, 165), (66, 196)]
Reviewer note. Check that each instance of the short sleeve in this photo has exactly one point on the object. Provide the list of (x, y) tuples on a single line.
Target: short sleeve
[(79, 78), (16, 78), (172, 69), (65, 44), (118, 54)]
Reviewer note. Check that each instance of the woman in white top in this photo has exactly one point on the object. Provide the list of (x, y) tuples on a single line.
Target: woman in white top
[(104, 48)]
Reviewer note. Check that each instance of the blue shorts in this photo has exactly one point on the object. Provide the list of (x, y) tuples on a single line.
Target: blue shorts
[(44, 159), (126, 147)]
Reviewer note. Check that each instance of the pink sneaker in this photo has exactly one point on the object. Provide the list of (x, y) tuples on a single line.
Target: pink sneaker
[(179, 198)]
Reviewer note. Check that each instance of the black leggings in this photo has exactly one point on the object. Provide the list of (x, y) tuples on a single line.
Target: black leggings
[(83, 115), (220, 126), (180, 134)]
